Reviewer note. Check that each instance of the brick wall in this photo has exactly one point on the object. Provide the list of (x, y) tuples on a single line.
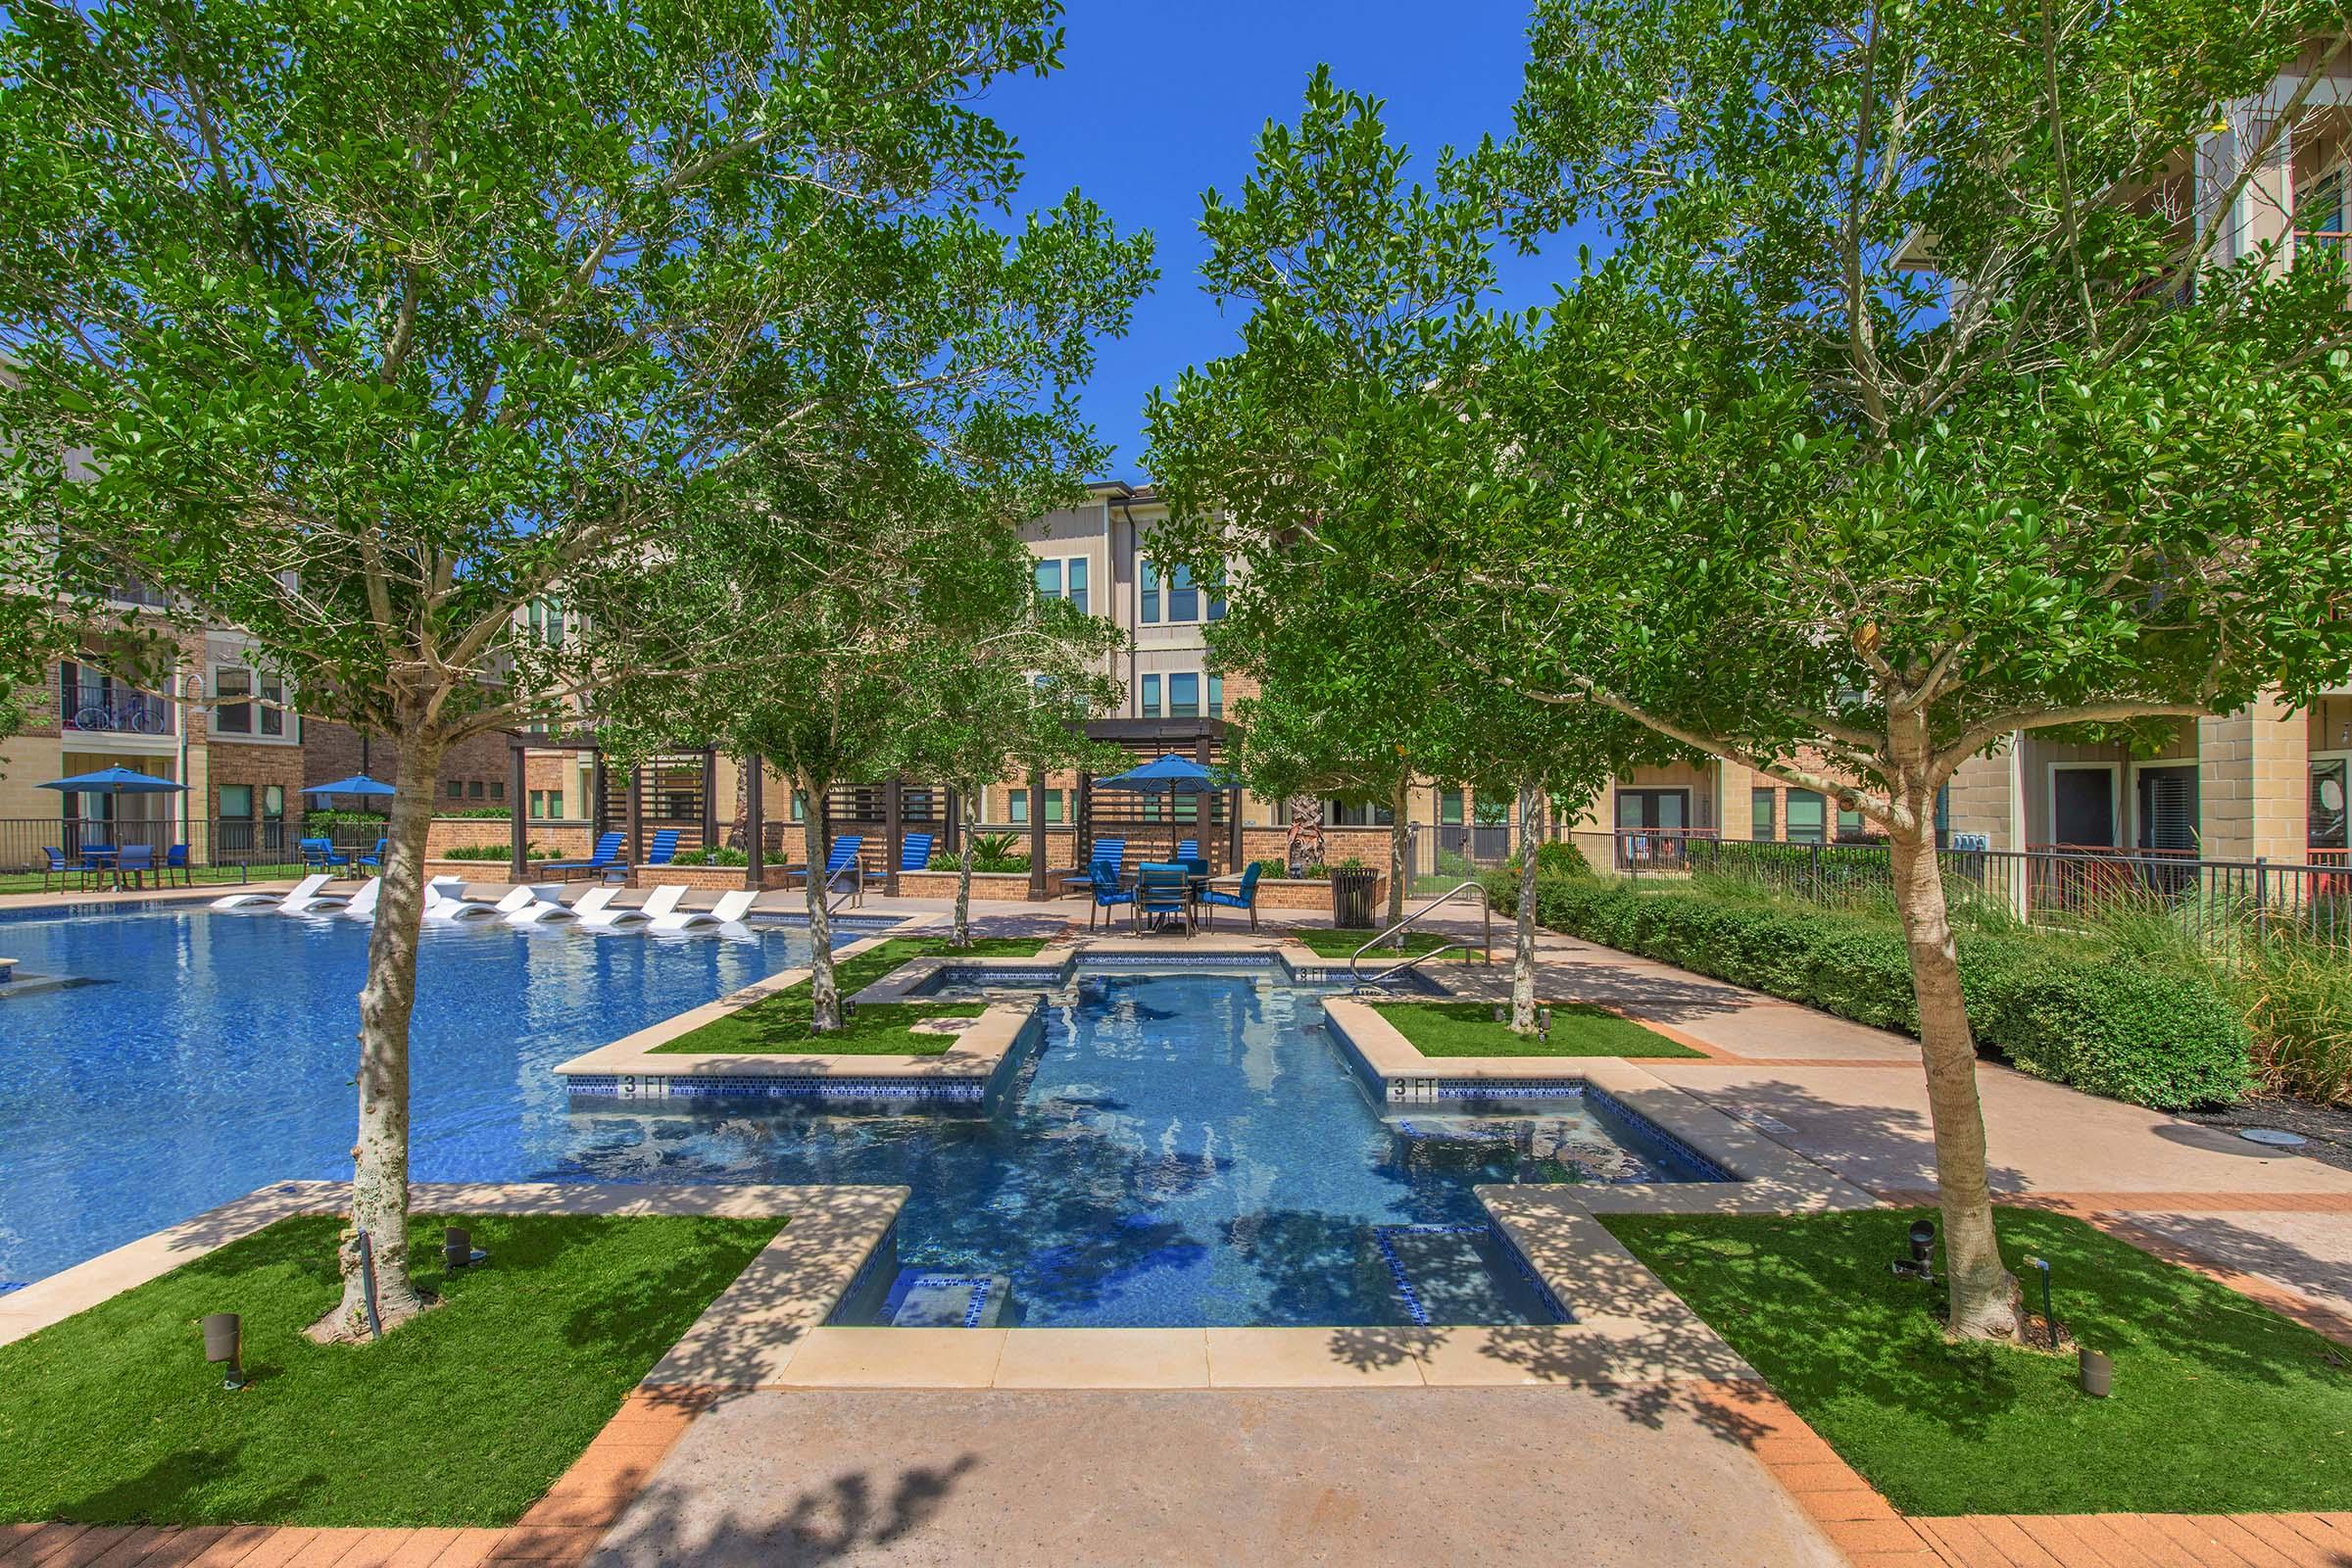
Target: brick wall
[(259, 767), (478, 767)]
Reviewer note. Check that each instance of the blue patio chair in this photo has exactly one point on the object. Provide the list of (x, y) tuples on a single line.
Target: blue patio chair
[(1109, 892), (1105, 852), (375, 856), (55, 865), (606, 856), (664, 849), (914, 855), (176, 863), (1242, 898), (843, 856), (137, 861), (321, 855), (1161, 890)]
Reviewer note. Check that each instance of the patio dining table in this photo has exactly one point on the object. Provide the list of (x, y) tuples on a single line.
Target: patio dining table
[(101, 860)]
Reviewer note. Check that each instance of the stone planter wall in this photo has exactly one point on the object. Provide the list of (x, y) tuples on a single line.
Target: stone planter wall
[(710, 878), (569, 841), (991, 887)]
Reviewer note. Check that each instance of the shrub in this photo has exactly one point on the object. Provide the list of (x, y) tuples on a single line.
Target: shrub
[(1272, 867), (2297, 996), (716, 855), (491, 851), (2138, 1026), (317, 822)]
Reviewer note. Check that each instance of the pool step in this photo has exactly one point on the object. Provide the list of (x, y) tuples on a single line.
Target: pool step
[(1441, 1271), (924, 1298)]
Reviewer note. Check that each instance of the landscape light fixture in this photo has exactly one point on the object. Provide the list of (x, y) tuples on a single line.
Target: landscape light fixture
[(458, 1252), (1921, 1264), (1544, 1024), (2049, 1319), (1498, 1013), (225, 1341), (848, 1009), (2095, 1372)]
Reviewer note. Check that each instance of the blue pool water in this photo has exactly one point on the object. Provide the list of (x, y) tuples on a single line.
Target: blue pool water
[(1176, 1150)]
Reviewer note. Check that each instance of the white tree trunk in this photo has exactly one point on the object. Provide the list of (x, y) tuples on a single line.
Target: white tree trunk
[(379, 1188), (1983, 1294), (1523, 945), (961, 936), (1401, 846), (824, 989)]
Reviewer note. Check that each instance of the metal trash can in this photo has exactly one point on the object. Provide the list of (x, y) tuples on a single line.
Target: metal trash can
[(1351, 891)]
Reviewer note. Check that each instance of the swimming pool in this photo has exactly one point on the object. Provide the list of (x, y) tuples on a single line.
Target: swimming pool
[(1175, 1148), (200, 1056)]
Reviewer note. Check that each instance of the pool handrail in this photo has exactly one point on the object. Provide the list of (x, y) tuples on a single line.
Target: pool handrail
[(1358, 978)]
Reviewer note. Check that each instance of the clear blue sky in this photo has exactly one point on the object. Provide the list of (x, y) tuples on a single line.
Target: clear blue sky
[(1158, 102)]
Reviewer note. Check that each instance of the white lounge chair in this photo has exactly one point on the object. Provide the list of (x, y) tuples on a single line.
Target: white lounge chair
[(595, 910), (303, 897), (524, 907), (445, 899), (362, 908), (731, 906)]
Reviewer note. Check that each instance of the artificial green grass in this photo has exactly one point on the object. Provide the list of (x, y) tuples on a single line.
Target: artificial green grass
[(778, 1025), (1469, 1029), (1326, 942), (201, 876), (2220, 1405), (462, 1417)]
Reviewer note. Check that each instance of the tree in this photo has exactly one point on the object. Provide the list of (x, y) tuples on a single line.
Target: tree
[(1014, 701), (381, 324), (1917, 409)]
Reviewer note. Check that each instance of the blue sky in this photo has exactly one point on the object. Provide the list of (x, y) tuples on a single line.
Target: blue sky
[(1161, 100)]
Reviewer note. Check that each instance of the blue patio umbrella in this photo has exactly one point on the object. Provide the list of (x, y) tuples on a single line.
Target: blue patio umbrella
[(114, 781), (1166, 776), (357, 784)]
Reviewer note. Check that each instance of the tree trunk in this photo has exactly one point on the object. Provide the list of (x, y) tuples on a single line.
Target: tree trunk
[(1983, 1294), (740, 834), (1401, 846), (379, 1186), (1306, 832), (1523, 945), (825, 990), (961, 935)]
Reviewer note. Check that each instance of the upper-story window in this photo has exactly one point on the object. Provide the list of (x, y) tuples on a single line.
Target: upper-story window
[(1172, 598), (1063, 577), (546, 620), (247, 701), (2320, 214), (1182, 698)]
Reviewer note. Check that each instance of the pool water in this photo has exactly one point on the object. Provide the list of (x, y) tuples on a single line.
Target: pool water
[(1176, 1150), (201, 1055)]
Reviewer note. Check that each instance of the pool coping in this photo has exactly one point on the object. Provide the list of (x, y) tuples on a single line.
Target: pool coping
[(741, 1338)]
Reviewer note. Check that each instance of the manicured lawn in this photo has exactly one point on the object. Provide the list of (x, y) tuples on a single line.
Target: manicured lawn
[(1329, 943), (2219, 1406), (1469, 1029), (778, 1025), (464, 1416)]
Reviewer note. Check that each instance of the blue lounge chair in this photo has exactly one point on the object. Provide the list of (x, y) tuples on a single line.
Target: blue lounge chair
[(1188, 849), (1242, 898), (664, 849), (606, 856), (914, 855), (1112, 853), (137, 860), (1109, 891), (843, 856), (175, 863), (1161, 890), (319, 855), (375, 856)]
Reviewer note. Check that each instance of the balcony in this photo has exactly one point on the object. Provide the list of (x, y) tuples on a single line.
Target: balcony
[(106, 708)]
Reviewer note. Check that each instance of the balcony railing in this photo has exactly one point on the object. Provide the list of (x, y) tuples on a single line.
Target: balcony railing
[(115, 709)]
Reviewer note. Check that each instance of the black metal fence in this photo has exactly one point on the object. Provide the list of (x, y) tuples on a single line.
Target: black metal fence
[(228, 844)]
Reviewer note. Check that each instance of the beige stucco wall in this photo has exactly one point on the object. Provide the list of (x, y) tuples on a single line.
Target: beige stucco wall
[(2253, 782)]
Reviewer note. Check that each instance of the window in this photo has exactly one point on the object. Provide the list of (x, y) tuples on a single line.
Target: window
[(1016, 805), (546, 618), (498, 789), (274, 800), (236, 802), (1449, 808), (1216, 696), (2320, 214), (1184, 696), (1356, 813), (1063, 578), (1490, 813), (1174, 592), (1053, 806), (232, 717), (473, 789), (456, 789), (1762, 808), (1849, 824), (273, 704), (2326, 829), (1805, 817), (1151, 696)]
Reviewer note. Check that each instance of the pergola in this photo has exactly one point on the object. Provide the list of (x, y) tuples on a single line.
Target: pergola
[(673, 789)]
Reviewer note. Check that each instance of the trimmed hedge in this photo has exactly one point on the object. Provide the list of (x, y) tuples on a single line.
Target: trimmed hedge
[(2106, 1022)]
